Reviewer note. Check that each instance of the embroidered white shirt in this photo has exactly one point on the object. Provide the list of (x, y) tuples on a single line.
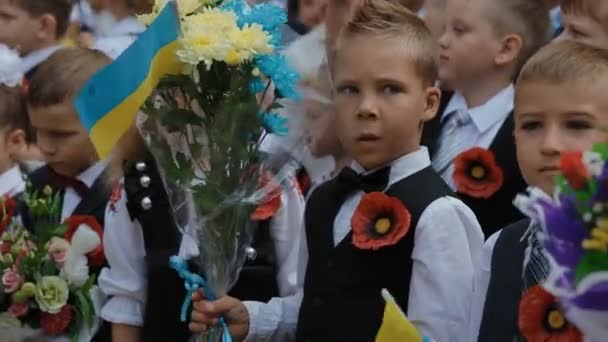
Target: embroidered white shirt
[(125, 280), (448, 242), (11, 182), (485, 122)]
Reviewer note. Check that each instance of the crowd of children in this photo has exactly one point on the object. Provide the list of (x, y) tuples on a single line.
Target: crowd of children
[(446, 108)]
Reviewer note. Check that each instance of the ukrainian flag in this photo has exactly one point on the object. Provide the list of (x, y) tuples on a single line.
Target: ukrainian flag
[(395, 326), (109, 102)]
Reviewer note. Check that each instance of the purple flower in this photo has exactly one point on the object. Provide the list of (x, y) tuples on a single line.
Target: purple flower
[(595, 297), (564, 232)]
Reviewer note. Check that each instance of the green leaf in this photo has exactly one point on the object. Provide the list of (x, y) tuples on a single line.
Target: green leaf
[(176, 119), (60, 230), (602, 150), (49, 268), (86, 288), (592, 261), (86, 306)]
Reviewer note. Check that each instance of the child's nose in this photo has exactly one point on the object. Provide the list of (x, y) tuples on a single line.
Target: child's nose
[(444, 39), (552, 142)]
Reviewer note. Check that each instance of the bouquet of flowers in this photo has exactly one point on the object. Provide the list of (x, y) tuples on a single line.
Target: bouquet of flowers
[(207, 127), (46, 281), (575, 237)]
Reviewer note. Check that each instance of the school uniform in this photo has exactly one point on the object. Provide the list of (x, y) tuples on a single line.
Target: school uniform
[(458, 128), (116, 39), (85, 194), (509, 266), (145, 291), (429, 271), (11, 182)]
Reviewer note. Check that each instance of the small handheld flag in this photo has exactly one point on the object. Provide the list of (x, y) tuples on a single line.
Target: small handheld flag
[(108, 103), (395, 326)]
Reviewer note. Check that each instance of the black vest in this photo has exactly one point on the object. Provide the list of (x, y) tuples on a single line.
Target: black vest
[(501, 309), (497, 211), (94, 204), (342, 290), (166, 292)]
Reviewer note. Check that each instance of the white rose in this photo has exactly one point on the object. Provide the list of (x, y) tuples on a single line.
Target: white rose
[(84, 240), (10, 67), (75, 269)]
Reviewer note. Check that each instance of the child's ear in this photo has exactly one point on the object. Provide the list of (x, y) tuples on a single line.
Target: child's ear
[(433, 98), (15, 142), (509, 50), (47, 27)]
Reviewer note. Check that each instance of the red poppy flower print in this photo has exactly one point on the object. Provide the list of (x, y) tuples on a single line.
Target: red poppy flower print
[(7, 210), (542, 320), (477, 174), (379, 221), (115, 196), (574, 169), (96, 257)]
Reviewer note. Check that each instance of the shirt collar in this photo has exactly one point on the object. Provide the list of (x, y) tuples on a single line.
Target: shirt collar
[(33, 59), (90, 175), (486, 115), (125, 27), (403, 166), (11, 182)]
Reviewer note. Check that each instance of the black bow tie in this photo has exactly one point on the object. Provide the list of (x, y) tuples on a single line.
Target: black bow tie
[(377, 181), (62, 182)]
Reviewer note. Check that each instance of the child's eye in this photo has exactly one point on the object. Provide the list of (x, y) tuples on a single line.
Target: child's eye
[(531, 125), (459, 29), (391, 89), (578, 125), (347, 90)]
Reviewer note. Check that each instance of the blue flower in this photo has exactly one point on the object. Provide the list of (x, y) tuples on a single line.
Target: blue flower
[(274, 123), (282, 75), (257, 85), (269, 16)]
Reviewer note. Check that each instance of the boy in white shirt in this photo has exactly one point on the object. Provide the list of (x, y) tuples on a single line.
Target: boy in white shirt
[(348, 256)]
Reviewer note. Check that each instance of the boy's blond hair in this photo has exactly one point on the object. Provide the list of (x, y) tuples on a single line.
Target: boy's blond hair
[(566, 61), (392, 20), (526, 18), (596, 10), (63, 75)]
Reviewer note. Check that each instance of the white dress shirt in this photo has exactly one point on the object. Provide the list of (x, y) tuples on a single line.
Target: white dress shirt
[(71, 198), (482, 281), (485, 122), (125, 280), (114, 41), (447, 245), (11, 182), (33, 59)]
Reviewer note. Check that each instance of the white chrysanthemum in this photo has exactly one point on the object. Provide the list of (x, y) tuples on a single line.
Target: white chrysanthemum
[(10, 67)]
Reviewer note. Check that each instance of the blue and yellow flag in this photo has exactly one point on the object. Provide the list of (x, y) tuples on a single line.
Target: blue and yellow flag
[(108, 103), (395, 326)]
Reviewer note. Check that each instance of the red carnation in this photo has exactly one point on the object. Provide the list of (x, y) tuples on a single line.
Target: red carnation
[(477, 174), (7, 210), (55, 324), (96, 257), (574, 169)]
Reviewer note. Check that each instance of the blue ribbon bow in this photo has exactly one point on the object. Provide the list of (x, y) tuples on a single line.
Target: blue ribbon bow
[(193, 282)]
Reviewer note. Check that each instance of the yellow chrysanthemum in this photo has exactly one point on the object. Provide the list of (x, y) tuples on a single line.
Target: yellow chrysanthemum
[(246, 43), (252, 38)]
